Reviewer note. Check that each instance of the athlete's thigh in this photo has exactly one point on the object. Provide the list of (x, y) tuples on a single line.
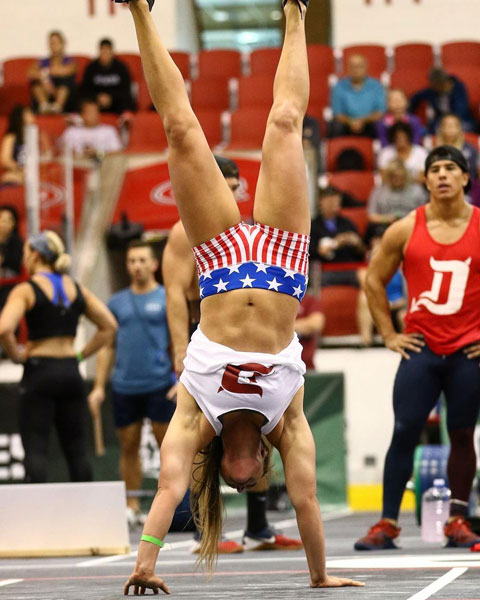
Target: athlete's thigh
[(416, 389), (281, 198), (462, 391), (204, 200)]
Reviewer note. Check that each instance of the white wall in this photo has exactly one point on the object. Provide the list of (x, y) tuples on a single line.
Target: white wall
[(434, 21), (369, 376), (25, 24)]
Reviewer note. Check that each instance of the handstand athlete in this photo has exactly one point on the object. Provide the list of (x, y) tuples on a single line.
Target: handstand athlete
[(243, 375)]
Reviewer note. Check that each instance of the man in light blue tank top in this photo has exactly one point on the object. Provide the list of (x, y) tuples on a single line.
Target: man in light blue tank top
[(142, 385)]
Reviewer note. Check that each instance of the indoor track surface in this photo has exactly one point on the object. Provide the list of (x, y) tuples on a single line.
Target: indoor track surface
[(416, 572)]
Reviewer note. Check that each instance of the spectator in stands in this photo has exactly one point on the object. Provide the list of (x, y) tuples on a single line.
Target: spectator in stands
[(52, 79), (309, 325), (396, 197), (397, 104), (12, 149), (107, 80), (92, 139), (401, 146), (11, 251), (335, 239), (450, 132), (446, 94), (358, 101), (395, 293)]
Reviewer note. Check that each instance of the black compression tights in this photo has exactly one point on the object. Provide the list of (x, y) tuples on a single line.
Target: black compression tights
[(418, 385), (52, 395)]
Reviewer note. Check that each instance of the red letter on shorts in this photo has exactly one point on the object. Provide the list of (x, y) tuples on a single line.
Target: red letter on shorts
[(231, 383)]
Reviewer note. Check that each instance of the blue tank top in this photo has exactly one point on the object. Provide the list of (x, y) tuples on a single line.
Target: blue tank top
[(142, 362)]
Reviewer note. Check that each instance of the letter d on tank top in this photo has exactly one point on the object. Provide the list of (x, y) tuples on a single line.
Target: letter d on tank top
[(459, 271)]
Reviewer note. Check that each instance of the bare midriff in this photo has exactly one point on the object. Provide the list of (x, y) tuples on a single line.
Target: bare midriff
[(55, 347), (250, 320)]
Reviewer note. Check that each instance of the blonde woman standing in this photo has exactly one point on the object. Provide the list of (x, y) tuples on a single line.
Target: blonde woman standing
[(52, 390)]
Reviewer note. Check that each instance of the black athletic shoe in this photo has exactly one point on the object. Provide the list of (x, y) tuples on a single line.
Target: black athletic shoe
[(150, 3), (304, 2)]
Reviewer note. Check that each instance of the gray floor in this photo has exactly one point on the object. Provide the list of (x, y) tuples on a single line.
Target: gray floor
[(403, 574)]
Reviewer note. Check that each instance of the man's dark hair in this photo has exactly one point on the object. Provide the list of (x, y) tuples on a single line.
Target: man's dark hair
[(330, 190), (85, 101), (57, 33), (400, 128), (141, 244), (228, 167), (106, 42)]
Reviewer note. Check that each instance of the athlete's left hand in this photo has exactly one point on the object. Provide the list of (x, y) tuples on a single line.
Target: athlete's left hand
[(330, 581), (172, 393), (472, 351)]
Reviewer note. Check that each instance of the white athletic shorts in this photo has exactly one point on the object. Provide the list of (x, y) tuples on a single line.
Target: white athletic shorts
[(223, 380)]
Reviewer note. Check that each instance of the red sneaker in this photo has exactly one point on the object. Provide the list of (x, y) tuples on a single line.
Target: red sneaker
[(460, 535), (379, 537), (269, 539), (224, 547)]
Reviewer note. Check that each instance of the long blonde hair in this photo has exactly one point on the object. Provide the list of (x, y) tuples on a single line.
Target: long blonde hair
[(206, 501)]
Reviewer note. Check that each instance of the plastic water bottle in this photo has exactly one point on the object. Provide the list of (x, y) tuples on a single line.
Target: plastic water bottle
[(435, 511)]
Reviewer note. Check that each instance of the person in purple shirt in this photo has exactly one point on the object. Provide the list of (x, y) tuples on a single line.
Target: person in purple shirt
[(397, 104), (52, 79), (358, 101)]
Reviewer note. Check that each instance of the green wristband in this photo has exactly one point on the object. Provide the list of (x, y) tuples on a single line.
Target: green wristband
[(152, 540), (80, 357)]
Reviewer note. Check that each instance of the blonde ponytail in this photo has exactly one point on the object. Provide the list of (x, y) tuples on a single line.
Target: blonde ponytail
[(63, 261)]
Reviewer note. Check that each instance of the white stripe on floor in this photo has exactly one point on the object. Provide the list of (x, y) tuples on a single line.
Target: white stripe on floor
[(9, 581), (238, 533), (439, 584)]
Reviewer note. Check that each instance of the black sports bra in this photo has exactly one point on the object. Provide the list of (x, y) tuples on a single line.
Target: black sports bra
[(54, 318)]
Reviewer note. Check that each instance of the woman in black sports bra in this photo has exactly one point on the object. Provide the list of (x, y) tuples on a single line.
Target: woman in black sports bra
[(51, 390)]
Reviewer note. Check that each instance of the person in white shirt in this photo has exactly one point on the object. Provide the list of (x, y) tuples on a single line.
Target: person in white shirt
[(92, 139)]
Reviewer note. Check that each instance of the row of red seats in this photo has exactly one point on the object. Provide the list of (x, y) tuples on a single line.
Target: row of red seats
[(231, 63)]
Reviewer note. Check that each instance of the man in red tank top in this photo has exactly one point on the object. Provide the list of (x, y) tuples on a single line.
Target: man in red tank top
[(439, 245)]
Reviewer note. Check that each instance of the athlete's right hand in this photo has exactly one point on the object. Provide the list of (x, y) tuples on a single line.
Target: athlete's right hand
[(95, 400), (401, 342), (142, 583)]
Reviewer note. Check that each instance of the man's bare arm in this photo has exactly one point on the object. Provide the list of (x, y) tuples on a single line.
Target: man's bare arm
[(385, 261), (178, 270)]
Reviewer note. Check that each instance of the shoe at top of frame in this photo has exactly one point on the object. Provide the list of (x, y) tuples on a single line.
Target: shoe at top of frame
[(150, 3), (299, 4)]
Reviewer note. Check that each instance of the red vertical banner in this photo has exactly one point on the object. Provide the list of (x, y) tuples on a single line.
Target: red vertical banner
[(111, 7), (91, 8)]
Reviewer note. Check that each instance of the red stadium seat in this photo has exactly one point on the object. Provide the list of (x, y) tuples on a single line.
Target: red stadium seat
[(339, 303), (321, 61), (211, 122), (143, 96), (358, 216), (255, 91), (210, 93), (357, 183), (363, 145), (182, 60), (248, 129), (375, 55), (82, 62), (3, 126), (409, 80), (456, 54), (470, 76), (109, 119), (264, 61), (52, 125), (134, 64), (223, 64), (147, 133), (11, 95), (15, 70), (413, 56), (319, 96)]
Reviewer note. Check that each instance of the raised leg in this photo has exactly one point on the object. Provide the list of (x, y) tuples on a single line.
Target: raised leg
[(282, 193), (204, 200)]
